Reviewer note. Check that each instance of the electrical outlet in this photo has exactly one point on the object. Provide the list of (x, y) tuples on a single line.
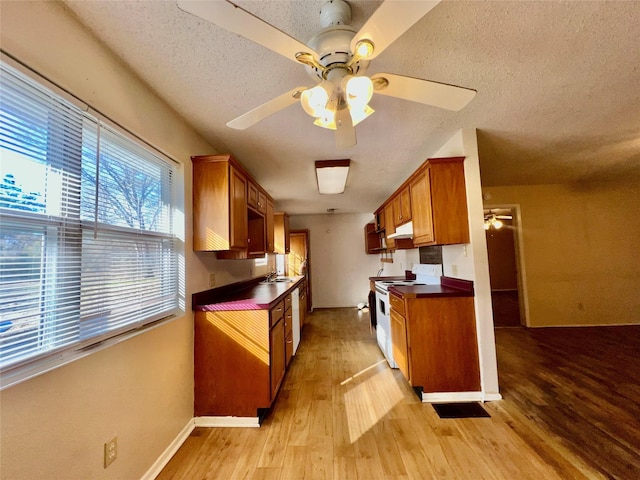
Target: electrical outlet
[(110, 451), (212, 280), (454, 269)]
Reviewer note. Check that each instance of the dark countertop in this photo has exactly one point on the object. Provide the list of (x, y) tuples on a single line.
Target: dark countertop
[(449, 287), (248, 296)]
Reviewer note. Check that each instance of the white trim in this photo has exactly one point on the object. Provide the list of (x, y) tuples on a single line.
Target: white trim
[(436, 397), (523, 294), (169, 452), (631, 324), (490, 397), (227, 421)]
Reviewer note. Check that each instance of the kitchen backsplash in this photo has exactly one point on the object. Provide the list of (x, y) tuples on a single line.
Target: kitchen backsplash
[(431, 255)]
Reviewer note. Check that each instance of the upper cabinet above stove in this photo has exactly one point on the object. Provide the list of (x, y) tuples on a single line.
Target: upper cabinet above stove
[(432, 204)]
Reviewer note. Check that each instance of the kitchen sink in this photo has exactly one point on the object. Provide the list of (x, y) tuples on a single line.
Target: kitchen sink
[(278, 280)]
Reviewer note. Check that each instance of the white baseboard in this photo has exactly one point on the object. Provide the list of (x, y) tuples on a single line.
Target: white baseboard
[(491, 397), (437, 397), (169, 452), (227, 421)]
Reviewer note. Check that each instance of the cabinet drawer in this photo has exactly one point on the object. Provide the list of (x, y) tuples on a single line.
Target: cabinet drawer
[(287, 302), (397, 303), (276, 313), (288, 322)]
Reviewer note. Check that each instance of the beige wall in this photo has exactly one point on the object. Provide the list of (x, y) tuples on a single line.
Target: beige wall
[(340, 268), (580, 251), (54, 425)]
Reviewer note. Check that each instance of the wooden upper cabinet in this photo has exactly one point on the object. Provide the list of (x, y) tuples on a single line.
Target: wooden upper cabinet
[(238, 227), (269, 216), (423, 215), (252, 195), (372, 240), (219, 204), (434, 198), (232, 213), (447, 192), (379, 219), (262, 202), (389, 225), (281, 233), (402, 207), (256, 198)]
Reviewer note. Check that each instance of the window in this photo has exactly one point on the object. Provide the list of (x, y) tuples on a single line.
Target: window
[(87, 246)]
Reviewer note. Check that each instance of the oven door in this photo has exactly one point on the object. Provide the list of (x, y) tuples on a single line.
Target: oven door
[(382, 299), (383, 331)]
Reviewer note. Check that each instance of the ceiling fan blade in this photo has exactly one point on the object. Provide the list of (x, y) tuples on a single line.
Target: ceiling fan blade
[(390, 21), (234, 19), (263, 111), (345, 131), (437, 94), (504, 217)]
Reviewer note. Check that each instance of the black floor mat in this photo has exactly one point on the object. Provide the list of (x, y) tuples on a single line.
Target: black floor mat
[(460, 410)]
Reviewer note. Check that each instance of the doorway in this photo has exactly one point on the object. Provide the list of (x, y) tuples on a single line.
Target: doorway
[(502, 228), (298, 260)]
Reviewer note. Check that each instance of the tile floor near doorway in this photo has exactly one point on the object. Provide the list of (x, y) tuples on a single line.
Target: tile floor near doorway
[(342, 414)]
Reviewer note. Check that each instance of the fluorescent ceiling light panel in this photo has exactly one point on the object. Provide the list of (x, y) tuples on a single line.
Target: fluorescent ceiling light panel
[(332, 176)]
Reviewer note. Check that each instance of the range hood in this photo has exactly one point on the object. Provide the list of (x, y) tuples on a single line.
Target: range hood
[(403, 231)]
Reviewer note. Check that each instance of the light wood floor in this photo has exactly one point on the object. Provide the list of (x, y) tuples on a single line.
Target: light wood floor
[(570, 411)]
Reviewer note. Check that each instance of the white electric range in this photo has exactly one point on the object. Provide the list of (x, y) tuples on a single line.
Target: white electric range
[(426, 274)]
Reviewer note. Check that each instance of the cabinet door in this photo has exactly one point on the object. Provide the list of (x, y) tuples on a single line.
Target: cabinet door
[(380, 220), (282, 242), (389, 225), (402, 207), (262, 202), (287, 238), (252, 195), (238, 214), (277, 356), (422, 212), (405, 204), (269, 227), (399, 343)]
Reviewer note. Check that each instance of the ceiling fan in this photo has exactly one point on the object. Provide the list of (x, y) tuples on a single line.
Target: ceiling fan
[(336, 58), (494, 219)]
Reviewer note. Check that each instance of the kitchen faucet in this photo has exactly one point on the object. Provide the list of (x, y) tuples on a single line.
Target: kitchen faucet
[(271, 276)]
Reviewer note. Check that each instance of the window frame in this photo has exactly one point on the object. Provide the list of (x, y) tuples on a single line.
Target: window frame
[(34, 365)]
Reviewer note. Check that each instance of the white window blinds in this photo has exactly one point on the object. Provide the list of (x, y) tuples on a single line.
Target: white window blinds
[(87, 247)]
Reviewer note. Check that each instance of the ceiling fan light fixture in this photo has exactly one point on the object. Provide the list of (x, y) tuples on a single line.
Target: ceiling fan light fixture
[(358, 90), (314, 100), (364, 48), (327, 119), (359, 114)]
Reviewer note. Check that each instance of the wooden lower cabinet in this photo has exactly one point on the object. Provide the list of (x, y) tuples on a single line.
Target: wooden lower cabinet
[(278, 357), (239, 361), (399, 347), (438, 349)]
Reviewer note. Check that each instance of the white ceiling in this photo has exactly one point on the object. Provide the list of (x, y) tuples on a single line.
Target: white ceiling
[(558, 91)]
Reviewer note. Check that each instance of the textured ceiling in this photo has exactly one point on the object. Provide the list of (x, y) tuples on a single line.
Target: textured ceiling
[(558, 91)]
